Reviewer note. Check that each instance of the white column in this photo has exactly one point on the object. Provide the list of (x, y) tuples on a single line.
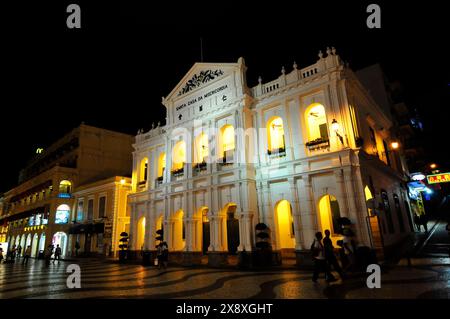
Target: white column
[(299, 240), (133, 229), (245, 231), (270, 213), (308, 212), (342, 195)]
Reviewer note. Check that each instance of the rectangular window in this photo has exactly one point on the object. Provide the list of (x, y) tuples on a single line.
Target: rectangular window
[(387, 210), (102, 206), (90, 209), (80, 211)]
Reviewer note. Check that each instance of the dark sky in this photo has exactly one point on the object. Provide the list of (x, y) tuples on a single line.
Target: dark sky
[(113, 72)]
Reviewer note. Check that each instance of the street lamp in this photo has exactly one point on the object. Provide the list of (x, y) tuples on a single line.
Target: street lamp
[(335, 127), (433, 166), (395, 145)]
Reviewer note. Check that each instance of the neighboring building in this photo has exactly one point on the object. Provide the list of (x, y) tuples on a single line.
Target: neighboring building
[(101, 215), (296, 153), (3, 226), (38, 210)]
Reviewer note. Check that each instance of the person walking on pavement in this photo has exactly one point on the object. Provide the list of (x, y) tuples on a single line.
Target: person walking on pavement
[(424, 222), (13, 253), (19, 251), (329, 253), (77, 247), (1, 254), (417, 222), (26, 255), (349, 249), (57, 254), (48, 254), (320, 264), (163, 255)]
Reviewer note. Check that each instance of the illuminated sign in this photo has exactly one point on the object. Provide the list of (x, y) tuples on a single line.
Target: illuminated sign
[(418, 177), (438, 178)]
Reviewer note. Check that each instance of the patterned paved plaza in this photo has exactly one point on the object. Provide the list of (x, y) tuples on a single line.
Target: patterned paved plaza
[(426, 276), (107, 280)]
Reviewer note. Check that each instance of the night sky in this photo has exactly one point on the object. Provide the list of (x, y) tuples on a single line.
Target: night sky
[(113, 72)]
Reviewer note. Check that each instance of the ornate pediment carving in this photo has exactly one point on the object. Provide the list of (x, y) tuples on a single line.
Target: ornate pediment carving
[(198, 79)]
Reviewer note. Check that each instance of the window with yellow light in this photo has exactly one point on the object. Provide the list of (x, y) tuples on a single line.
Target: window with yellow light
[(275, 134)]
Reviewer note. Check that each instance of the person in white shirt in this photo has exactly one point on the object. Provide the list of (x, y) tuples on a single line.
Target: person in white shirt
[(320, 264)]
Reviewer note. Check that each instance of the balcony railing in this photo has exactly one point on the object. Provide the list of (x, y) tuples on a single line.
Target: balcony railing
[(278, 152), (200, 167), (227, 159), (318, 144), (159, 181), (142, 184), (178, 172)]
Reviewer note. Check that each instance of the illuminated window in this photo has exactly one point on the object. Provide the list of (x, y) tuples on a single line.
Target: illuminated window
[(330, 214), (179, 156), (62, 214), (316, 121), (275, 135), (201, 148), (161, 164), (143, 170), (354, 121), (90, 212), (226, 142), (80, 210), (140, 233), (65, 186), (286, 235)]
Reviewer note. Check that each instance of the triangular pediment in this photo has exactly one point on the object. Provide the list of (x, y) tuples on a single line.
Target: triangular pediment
[(199, 76)]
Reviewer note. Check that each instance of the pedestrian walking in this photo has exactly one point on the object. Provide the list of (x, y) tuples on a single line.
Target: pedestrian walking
[(417, 222), (57, 254), (424, 222), (163, 255), (77, 247), (330, 257), (1, 254), (19, 251), (13, 253), (26, 255), (48, 254), (320, 264), (348, 246)]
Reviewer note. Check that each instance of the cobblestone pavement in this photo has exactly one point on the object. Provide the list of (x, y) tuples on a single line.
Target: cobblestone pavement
[(427, 277)]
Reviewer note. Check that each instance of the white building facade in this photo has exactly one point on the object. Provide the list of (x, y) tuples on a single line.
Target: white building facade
[(298, 154)]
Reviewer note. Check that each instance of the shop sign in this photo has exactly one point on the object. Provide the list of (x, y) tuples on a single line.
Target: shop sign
[(438, 178)]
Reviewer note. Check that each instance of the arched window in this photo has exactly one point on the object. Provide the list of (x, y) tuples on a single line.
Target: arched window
[(179, 230), (161, 165), (62, 214), (330, 214), (369, 200), (316, 123), (285, 223), (201, 148), (140, 234), (143, 170), (226, 142), (65, 187), (179, 156), (275, 136)]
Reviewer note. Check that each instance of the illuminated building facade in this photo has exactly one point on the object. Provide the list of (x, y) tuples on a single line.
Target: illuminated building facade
[(37, 212), (100, 212), (297, 154)]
